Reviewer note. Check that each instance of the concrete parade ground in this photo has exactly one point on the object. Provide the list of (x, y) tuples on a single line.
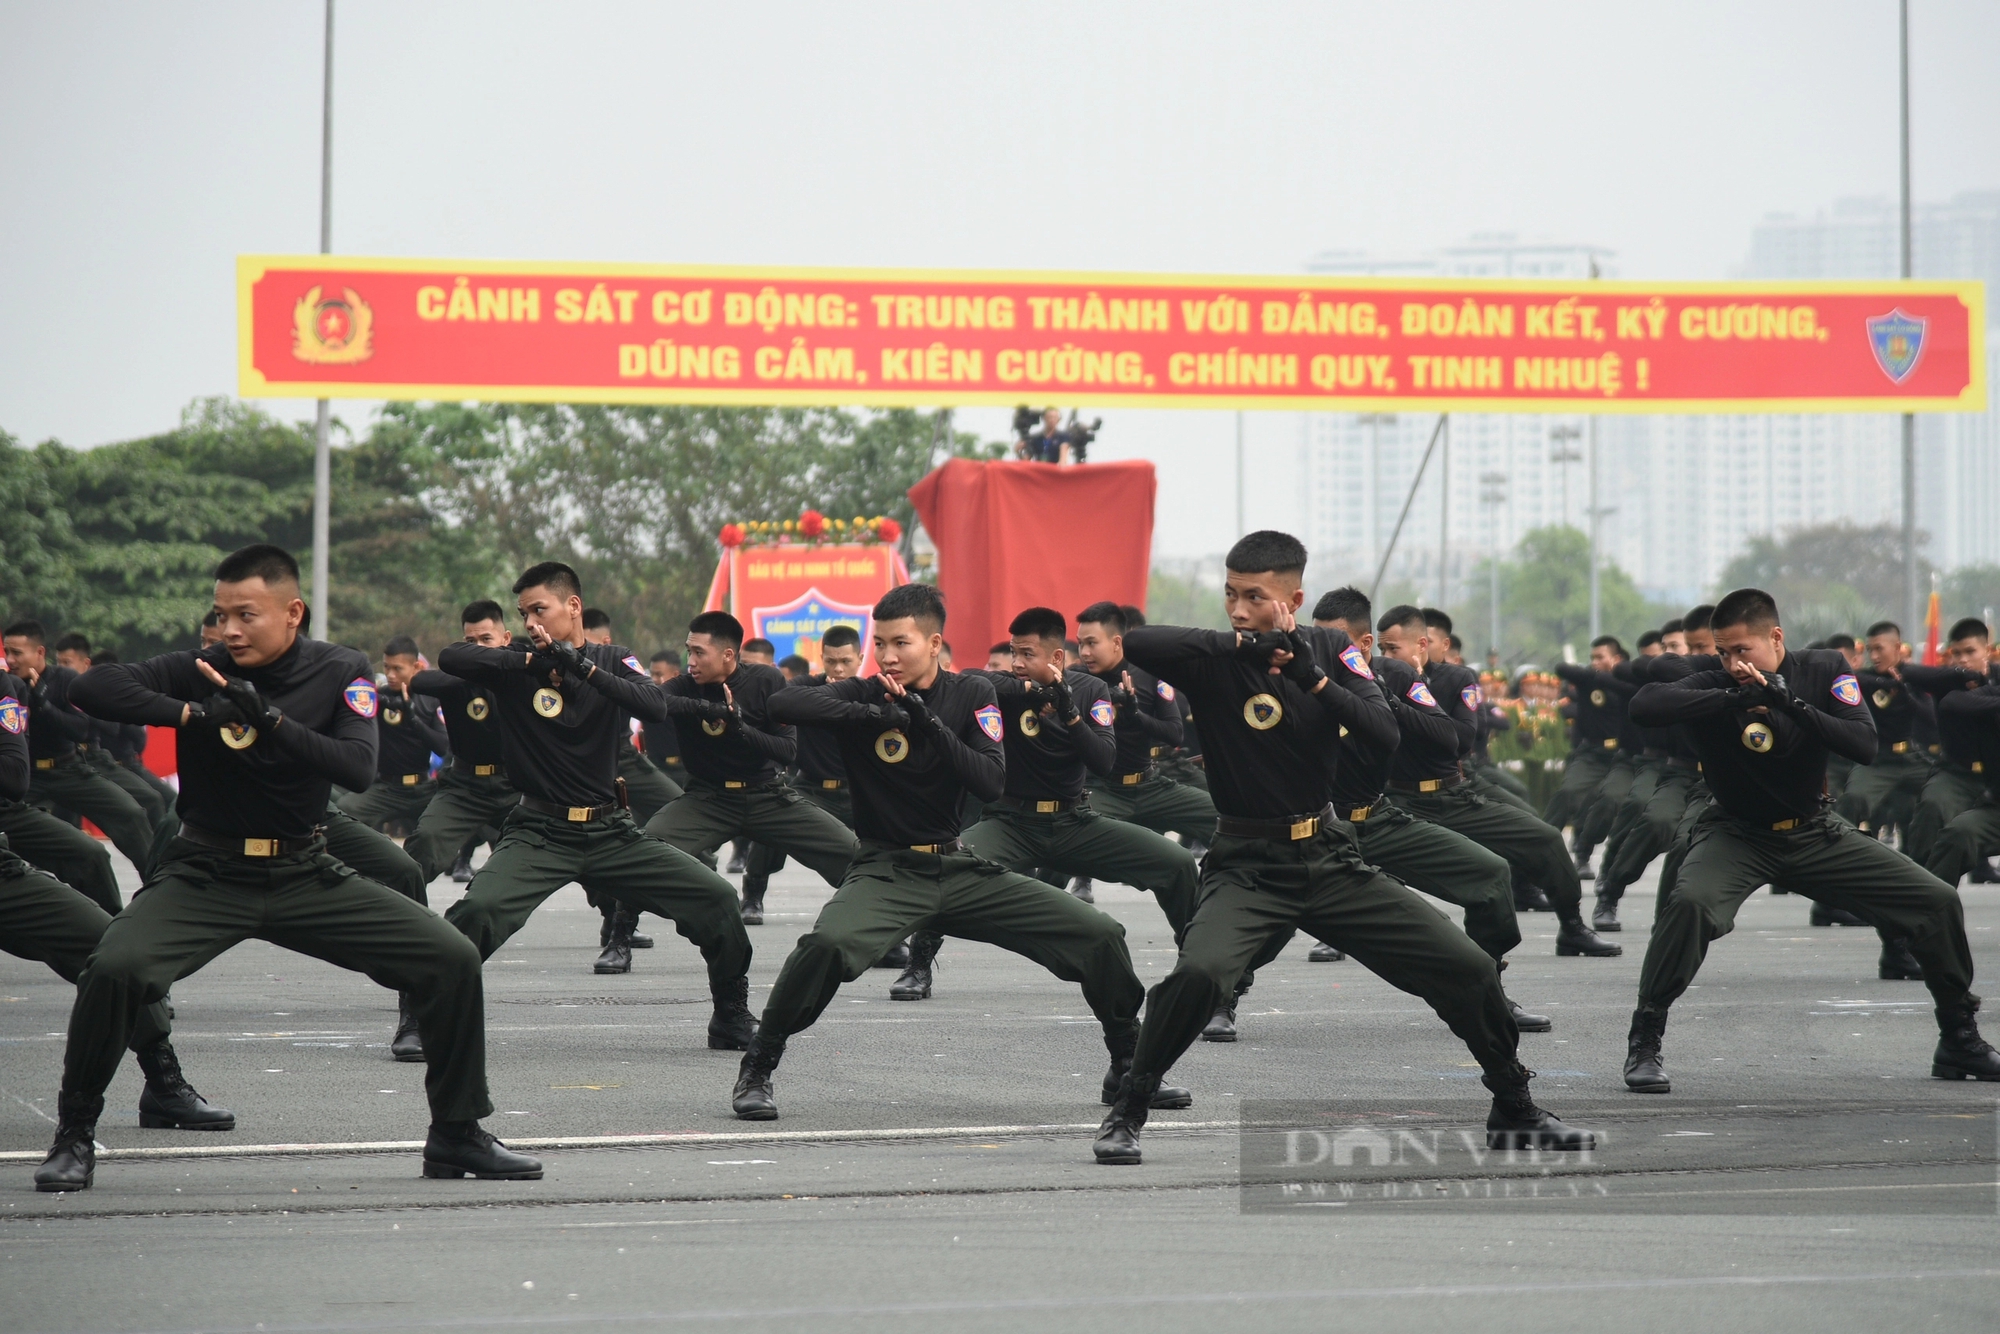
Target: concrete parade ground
[(932, 1167)]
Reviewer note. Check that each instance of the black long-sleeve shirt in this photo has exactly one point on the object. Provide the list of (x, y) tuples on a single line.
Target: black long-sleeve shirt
[(1956, 735), (750, 749), (1893, 705), (566, 751), (1265, 740), (409, 735), (1431, 738), (908, 785), (1767, 767), (1046, 759), (818, 756), (14, 766), (1456, 690), (1975, 716), (276, 785), (468, 716), (56, 727), (1600, 707), (1148, 727)]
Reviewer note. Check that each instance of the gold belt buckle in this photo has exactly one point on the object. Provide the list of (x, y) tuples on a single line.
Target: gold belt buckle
[(1782, 825), (1978, 767), (829, 783), (924, 847), (1132, 780), (260, 847), (1047, 807), (1430, 784), (1157, 751), (1611, 743), (484, 770), (411, 780), (1898, 747), (1359, 814), (732, 784), (582, 814), (45, 764), (1305, 828)]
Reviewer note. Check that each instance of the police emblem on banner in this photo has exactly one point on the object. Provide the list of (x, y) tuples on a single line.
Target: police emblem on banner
[(1757, 737), (1847, 690), (892, 747), (1100, 712), (477, 708), (12, 716), (1898, 343), (1421, 693), (1357, 661), (236, 736), (988, 716), (549, 703), (1263, 712), (1164, 690), (360, 697), (332, 330), (1031, 723), (1471, 696)]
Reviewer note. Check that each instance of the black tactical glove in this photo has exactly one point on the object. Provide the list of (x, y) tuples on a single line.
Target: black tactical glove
[(1778, 691), (562, 656), (1125, 701), (218, 710), (716, 711), (921, 717), (254, 708), (1257, 646), (888, 715), (1303, 670), (1057, 693)]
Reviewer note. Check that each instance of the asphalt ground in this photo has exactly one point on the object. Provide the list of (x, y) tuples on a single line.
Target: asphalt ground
[(932, 1161)]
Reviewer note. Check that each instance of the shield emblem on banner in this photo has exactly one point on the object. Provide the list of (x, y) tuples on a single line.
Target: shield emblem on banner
[(1898, 341), (798, 625)]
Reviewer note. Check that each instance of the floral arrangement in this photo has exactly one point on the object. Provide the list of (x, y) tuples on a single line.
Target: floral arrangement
[(810, 528)]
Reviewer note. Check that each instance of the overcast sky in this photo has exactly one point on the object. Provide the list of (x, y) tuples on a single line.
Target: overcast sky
[(143, 146)]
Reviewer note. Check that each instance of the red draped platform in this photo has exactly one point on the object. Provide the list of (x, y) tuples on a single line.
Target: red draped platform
[(1015, 535)]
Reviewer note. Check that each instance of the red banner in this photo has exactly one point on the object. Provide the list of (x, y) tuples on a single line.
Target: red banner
[(791, 593), (336, 327)]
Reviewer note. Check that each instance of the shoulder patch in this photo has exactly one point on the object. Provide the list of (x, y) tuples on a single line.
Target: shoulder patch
[(1164, 690), (1100, 712), (1357, 662), (988, 716), (360, 694), (12, 716), (1846, 689), (1471, 696), (1421, 693), (633, 663)]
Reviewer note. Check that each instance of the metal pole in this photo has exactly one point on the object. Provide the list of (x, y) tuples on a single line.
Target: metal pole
[(1909, 420), (322, 449), (1596, 598), (1444, 517), (1240, 529), (1409, 500)]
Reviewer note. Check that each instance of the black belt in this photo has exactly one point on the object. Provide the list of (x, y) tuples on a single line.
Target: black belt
[(479, 770), (59, 761), (1656, 753), (573, 814), (1054, 806), (409, 780), (1683, 762), (1428, 785), (249, 847), (1133, 779), (741, 784), (944, 849), (1291, 829)]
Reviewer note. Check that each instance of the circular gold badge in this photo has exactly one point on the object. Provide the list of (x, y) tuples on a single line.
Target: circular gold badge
[(1882, 698), (715, 726), (393, 717), (476, 708), (548, 703), (1263, 712), (1597, 698), (892, 748), (1031, 723), (238, 737), (1757, 737)]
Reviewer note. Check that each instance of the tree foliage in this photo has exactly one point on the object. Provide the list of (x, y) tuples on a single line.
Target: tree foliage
[(1545, 600)]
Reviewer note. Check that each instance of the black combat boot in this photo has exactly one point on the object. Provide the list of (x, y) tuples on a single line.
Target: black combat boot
[(1118, 1138), (1528, 897), (753, 1099), (1573, 937), (1645, 1068), (1583, 871), (731, 1027), (1961, 1053), (640, 940), (1081, 888), (1221, 1026), (1166, 1097), (1605, 916), (1516, 1123), (169, 1102), (617, 937), (915, 983), (456, 1149), (1529, 1023), (753, 898), (1322, 952), (461, 870), (1825, 916), (1897, 964), (72, 1160), (897, 958), (408, 1044)]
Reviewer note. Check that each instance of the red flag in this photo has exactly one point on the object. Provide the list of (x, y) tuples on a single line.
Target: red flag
[(1933, 620)]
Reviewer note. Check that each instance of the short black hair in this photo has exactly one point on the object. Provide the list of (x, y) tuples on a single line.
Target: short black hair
[(26, 629), (1134, 618), (1610, 642), (73, 643), (211, 620), (719, 626), (1457, 644), (1749, 607), (1672, 627), (667, 655), (795, 663), (1699, 618), (486, 609), (1044, 623), (1968, 627), (1435, 618), (553, 575), (596, 618), (1004, 646), (1267, 549), (1885, 628), (760, 645), (99, 659), (1107, 614), (1650, 638), (840, 636), (1843, 640), (402, 646), (1348, 604), (259, 560), (919, 602), (1402, 614)]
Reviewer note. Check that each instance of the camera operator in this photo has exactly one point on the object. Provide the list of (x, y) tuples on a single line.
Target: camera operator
[(1053, 443)]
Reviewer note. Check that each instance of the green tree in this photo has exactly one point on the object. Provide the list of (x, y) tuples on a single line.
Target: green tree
[(1545, 600)]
